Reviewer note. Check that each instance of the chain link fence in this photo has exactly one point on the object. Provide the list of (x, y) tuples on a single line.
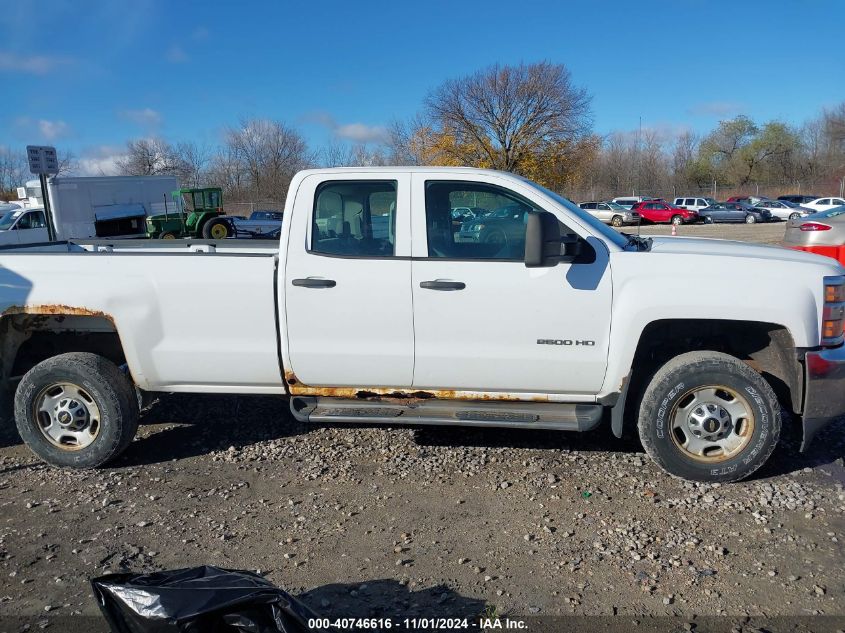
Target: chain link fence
[(245, 209)]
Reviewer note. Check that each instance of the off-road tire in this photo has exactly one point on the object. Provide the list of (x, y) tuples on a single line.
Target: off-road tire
[(167, 235), (208, 226), (705, 368), (111, 390)]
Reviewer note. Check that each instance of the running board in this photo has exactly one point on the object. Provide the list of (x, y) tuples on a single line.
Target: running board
[(524, 415)]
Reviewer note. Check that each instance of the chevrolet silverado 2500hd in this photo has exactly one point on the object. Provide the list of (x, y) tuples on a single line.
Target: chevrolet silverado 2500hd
[(371, 309)]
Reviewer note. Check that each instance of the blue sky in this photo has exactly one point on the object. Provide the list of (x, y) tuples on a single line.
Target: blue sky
[(87, 75)]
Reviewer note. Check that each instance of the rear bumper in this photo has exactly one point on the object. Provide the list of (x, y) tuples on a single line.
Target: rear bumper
[(824, 390)]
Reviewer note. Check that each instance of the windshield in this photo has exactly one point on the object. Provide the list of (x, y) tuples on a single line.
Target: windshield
[(8, 219), (596, 225)]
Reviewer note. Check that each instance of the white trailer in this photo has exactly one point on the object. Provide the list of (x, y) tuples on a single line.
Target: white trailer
[(99, 206)]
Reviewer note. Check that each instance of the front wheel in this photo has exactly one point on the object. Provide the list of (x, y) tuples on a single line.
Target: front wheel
[(677, 220), (707, 416), (76, 410), (616, 221), (750, 219), (794, 216)]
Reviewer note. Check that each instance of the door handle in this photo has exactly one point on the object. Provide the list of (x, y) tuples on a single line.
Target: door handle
[(439, 284), (313, 282)]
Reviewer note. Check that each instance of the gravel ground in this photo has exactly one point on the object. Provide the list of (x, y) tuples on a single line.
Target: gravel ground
[(366, 521)]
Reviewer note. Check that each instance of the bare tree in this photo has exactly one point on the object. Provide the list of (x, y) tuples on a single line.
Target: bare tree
[(14, 171), (194, 161), (503, 115), (266, 154), (151, 157)]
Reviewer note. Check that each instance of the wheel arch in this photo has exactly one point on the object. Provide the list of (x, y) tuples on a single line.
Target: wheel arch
[(31, 334), (768, 348)]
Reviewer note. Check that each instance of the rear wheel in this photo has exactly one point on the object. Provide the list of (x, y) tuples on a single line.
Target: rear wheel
[(750, 219), (676, 220), (616, 220), (708, 219), (217, 229), (77, 410), (707, 416)]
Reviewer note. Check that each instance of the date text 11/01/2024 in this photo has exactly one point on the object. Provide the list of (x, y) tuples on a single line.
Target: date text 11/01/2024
[(434, 624)]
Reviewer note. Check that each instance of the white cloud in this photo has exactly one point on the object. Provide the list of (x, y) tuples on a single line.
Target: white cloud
[(146, 117), (716, 108), (44, 129), (30, 64), (362, 133), (356, 132), (176, 55), (100, 161), (52, 130)]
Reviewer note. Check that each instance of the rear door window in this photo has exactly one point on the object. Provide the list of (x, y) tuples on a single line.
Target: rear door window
[(354, 218)]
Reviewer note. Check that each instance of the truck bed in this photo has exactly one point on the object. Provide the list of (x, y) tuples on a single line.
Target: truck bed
[(191, 315), (141, 246)]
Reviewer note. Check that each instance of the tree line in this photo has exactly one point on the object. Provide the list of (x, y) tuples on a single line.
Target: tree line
[(531, 119)]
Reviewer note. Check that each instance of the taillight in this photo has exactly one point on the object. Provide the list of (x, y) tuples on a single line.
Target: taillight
[(833, 311), (814, 226)]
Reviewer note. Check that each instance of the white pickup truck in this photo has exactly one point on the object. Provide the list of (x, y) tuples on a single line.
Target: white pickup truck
[(378, 306)]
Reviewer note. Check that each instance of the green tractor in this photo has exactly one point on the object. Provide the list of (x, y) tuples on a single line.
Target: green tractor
[(198, 214)]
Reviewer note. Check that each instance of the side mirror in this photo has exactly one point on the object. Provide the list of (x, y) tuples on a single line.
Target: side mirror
[(544, 245)]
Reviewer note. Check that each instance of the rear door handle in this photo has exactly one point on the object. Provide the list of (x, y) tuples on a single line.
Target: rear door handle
[(439, 284), (314, 282)]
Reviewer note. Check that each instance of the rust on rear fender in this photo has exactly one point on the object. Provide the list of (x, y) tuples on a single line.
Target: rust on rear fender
[(55, 309), (297, 388)]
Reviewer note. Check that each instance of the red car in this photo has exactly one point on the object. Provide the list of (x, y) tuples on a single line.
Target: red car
[(658, 212)]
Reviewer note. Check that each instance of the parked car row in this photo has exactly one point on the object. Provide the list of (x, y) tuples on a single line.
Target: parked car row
[(625, 210)]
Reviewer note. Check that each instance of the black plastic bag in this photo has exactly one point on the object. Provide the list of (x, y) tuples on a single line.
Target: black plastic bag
[(198, 600)]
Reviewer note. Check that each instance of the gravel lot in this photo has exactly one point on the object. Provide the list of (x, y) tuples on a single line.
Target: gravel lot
[(366, 521)]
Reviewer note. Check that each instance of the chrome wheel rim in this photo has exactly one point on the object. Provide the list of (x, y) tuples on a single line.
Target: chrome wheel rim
[(67, 416), (712, 423)]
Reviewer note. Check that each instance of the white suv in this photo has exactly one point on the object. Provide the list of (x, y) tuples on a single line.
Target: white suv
[(630, 201), (694, 204)]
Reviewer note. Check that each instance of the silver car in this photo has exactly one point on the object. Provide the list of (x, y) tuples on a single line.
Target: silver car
[(826, 228), (611, 213), (783, 209)]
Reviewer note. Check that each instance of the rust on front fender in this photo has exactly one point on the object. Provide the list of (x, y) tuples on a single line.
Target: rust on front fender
[(297, 388)]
